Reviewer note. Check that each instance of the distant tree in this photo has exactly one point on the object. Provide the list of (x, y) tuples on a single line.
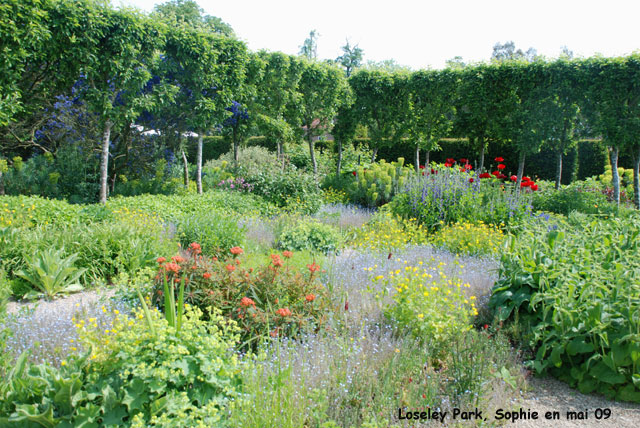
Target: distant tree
[(508, 51), (351, 58), (566, 53), (386, 65), (188, 12), (431, 106), (309, 48), (456, 63), (322, 90), (117, 74), (381, 104)]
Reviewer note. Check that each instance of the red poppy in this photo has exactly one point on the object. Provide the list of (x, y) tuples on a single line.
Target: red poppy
[(526, 183), (514, 178), (534, 187), (421, 167), (471, 180), (468, 166), (451, 161), (422, 172), (499, 159), (462, 169), (502, 176), (501, 166), (433, 171), (463, 160), (496, 173), (525, 178), (485, 175), (448, 165), (354, 173)]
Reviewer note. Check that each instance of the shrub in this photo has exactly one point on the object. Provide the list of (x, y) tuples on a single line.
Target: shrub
[(573, 287), (576, 197), (433, 310), (283, 189), (131, 377), (310, 235), (378, 184), (274, 299), (214, 230), (469, 238)]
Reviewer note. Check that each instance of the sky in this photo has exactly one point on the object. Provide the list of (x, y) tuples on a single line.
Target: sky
[(426, 33)]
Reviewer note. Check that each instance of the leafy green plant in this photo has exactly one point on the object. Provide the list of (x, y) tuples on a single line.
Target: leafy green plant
[(51, 273), (310, 235), (132, 376), (579, 317), (214, 230)]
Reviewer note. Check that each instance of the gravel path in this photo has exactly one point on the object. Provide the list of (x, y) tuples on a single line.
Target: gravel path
[(548, 394)]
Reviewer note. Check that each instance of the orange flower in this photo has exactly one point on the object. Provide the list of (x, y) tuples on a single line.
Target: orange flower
[(283, 312), (313, 267), (172, 267), (287, 254), (231, 268), (178, 259), (310, 297), (277, 261), (161, 260), (236, 250), (246, 302), (206, 275), (195, 248)]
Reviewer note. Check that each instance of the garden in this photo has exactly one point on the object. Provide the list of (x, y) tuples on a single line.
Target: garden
[(193, 234)]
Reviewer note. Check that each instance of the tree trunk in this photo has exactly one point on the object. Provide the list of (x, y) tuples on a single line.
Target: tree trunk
[(199, 164), (373, 155), (481, 165), (417, 158), (558, 169), (636, 178), (235, 147), (185, 174), (1, 183), (104, 162), (339, 166), (615, 178), (313, 154), (426, 159), (520, 171)]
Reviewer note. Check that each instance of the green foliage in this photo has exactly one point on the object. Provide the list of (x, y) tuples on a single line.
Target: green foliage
[(285, 189), (273, 299), (310, 235), (131, 377), (576, 197), (214, 230), (51, 273), (580, 318)]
